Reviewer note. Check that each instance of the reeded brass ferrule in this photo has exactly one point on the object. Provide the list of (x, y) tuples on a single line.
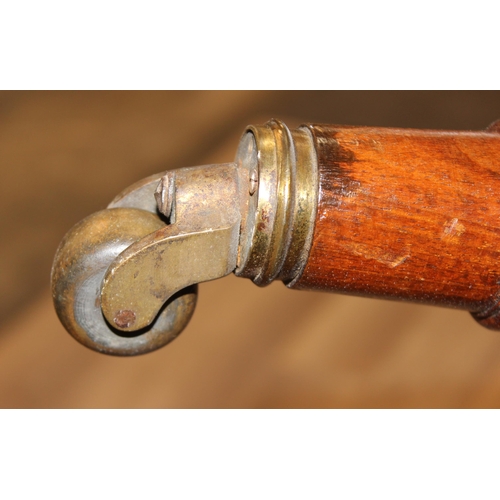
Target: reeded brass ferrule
[(277, 231)]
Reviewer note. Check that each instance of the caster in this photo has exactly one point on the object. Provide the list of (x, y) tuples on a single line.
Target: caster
[(124, 279)]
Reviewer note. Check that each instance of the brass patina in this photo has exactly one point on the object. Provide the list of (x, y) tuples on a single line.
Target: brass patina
[(200, 244), (278, 231), (124, 278)]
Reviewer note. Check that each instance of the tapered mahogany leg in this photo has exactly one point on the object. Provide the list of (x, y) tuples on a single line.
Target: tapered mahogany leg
[(408, 215)]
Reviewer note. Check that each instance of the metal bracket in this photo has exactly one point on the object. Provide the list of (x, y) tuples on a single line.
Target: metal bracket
[(204, 205)]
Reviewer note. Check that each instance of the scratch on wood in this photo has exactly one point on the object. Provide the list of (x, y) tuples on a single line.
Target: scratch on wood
[(452, 230), (390, 259)]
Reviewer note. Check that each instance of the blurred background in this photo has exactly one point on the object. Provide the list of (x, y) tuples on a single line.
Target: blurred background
[(64, 155)]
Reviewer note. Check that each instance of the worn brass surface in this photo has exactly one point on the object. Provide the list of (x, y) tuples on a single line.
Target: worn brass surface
[(278, 229), (303, 202), (200, 245)]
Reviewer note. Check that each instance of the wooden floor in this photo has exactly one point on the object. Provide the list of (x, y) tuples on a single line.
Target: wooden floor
[(64, 155)]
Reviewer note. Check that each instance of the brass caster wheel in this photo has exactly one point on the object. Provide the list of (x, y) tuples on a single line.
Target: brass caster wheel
[(81, 262)]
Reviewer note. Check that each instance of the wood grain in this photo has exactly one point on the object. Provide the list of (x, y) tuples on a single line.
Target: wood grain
[(409, 215)]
